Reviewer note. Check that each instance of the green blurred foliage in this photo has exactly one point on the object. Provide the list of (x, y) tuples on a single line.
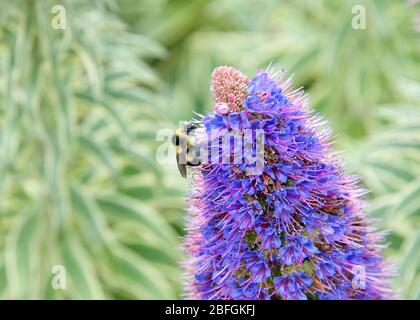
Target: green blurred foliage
[(80, 108), (79, 184)]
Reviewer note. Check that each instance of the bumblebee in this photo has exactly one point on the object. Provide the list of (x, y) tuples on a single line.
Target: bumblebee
[(187, 147)]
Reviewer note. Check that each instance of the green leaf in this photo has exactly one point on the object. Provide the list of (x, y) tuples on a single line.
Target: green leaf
[(82, 280)]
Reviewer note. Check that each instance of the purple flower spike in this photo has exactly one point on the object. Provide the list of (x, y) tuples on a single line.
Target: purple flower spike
[(295, 229)]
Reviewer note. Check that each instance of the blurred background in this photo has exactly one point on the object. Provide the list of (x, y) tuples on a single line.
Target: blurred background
[(80, 107)]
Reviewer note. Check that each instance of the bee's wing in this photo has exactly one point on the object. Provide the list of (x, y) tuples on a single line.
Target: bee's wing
[(182, 168)]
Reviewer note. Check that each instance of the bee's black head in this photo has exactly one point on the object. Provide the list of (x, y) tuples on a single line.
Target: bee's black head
[(190, 127)]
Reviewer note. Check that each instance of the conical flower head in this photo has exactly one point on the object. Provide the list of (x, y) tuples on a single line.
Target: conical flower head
[(293, 227), (228, 86)]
